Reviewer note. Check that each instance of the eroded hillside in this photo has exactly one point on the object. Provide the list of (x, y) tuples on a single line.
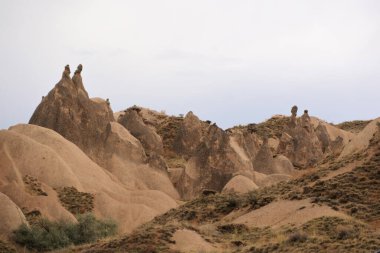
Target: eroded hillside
[(333, 208), (182, 184)]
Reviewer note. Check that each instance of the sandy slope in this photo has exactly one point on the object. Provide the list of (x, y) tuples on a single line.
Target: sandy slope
[(240, 184), (285, 212), (10, 216), (361, 140), (56, 162), (190, 241), (333, 131)]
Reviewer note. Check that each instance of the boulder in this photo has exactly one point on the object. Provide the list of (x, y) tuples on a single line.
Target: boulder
[(240, 184)]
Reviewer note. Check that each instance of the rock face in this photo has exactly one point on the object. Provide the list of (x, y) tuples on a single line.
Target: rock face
[(68, 110), (299, 142), (199, 155), (213, 164), (89, 123), (240, 184), (146, 134)]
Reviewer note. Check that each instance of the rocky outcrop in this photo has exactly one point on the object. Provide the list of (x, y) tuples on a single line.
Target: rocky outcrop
[(267, 163), (89, 123), (68, 110), (299, 142), (190, 135), (240, 184), (146, 134), (199, 155), (212, 163)]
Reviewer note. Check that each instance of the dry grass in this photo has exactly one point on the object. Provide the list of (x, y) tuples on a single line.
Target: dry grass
[(272, 128), (355, 192), (353, 126), (6, 248), (74, 201), (325, 234), (168, 129), (33, 186)]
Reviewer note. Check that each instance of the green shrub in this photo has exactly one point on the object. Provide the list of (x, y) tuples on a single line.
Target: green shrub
[(46, 235)]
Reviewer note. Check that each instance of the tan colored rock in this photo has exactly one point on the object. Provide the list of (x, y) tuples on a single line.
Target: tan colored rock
[(286, 212), (300, 143), (361, 141), (213, 164), (147, 135), (190, 134), (68, 110), (190, 241), (263, 180), (267, 163), (333, 132), (77, 80), (10, 215), (66, 72), (240, 184), (56, 162), (89, 123)]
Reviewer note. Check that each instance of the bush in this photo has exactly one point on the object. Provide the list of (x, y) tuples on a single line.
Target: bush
[(344, 232), (46, 235), (228, 205), (297, 237)]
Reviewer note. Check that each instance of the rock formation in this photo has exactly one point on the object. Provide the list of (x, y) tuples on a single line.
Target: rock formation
[(299, 141), (29, 151), (11, 217), (66, 72), (68, 110), (199, 155), (240, 184), (89, 123), (146, 134), (293, 118), (265, 162)]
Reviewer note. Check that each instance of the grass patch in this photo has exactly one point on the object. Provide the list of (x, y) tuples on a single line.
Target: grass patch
[(75, 201), (272, 128), (47, 235), (353, 126)]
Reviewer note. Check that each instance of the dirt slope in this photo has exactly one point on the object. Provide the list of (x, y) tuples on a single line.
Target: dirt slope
[(55, 162)]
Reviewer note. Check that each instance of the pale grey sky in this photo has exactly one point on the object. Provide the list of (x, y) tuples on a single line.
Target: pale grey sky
[(231, 62)]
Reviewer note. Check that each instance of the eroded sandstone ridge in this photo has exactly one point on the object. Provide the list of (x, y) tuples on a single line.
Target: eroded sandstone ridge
[(136, 164), (299, 141), (68, 110)]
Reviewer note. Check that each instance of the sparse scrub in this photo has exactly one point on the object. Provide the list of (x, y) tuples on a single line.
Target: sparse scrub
[(344, 232), (5, 248), (75, 201), (297, 237), (272, 128), (353, 126), (232, 228), (46, 235)]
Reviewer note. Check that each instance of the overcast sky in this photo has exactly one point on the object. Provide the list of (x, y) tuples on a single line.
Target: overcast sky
[(231, 62)]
